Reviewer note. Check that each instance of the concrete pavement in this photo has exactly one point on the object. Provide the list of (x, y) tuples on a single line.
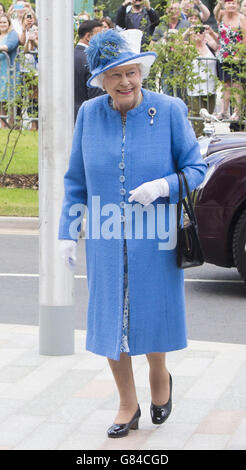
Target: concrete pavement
[(68, 402)]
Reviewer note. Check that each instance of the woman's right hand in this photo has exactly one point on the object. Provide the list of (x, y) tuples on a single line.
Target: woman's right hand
[(68, 253)]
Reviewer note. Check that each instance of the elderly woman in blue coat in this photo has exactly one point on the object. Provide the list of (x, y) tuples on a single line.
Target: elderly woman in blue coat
[(127, 147)]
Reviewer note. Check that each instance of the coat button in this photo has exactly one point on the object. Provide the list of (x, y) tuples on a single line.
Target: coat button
[(122, 218), (122, 191), (122, 165), (122, 178), (122, 204)]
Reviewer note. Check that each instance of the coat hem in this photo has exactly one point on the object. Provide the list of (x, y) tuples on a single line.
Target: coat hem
[(139, 352)]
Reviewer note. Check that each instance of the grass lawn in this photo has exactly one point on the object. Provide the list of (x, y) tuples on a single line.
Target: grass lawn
[(17, 201), (25, 160)]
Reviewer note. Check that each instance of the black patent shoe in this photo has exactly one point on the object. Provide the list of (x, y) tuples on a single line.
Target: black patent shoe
[(160, 413), (122, 430)]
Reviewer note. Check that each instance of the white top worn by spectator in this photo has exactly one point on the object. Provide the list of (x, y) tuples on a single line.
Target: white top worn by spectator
[(206, 70)]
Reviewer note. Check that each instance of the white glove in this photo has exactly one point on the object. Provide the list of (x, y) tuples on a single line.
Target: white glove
[(150, 191), (68, 252)]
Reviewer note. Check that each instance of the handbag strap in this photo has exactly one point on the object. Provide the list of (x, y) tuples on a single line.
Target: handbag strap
[(179, 206), (187, 205)]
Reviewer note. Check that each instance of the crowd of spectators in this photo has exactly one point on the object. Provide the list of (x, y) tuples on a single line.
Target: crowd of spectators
[(19, 27)]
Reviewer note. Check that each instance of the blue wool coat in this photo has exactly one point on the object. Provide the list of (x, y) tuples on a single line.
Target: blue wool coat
[(156, 285)]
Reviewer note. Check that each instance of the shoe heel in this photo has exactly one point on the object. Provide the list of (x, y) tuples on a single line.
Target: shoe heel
[(135, 424)]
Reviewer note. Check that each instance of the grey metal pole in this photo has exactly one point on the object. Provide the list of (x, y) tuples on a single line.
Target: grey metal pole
[(56, 115)]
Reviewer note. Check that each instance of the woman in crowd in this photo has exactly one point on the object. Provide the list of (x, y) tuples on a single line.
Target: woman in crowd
[(136, 291), (31, 71), (203, 93), (232, 31), (28, 20), (107, 23), (8, 45), (16, 12), (210, 35)]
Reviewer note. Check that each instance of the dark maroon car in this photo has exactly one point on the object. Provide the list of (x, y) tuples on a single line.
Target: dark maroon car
[(220, 201)]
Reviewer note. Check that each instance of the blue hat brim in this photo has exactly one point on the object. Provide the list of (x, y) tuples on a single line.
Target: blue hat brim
[(144, 58)]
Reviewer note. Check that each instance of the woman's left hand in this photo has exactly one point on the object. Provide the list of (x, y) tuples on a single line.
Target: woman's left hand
[(150, 191)]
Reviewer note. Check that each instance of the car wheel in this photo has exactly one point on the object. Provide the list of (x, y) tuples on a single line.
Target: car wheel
[(239, 245)]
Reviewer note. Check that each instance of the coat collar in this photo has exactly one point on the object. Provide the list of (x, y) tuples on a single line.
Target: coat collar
[(133, 112)]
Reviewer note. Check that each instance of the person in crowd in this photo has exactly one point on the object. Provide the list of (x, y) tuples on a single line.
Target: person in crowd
[(211, 37), (142, 138), (98, 13), (138, 14), (175, 21), (17, 11), (2, 8), (187, 5), (8, 45), (203, 93), (81, 72), (232, 31), (243, 7), (31, 65), (28, 20), (82, 16), (107, 23)]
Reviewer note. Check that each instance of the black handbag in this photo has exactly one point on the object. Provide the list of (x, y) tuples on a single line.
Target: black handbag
[(189, 252)]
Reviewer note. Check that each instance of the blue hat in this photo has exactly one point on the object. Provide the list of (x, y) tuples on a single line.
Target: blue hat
[(111, 49)]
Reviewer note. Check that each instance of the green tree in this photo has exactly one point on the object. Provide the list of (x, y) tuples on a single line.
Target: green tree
[(7, 4), (25, 95)]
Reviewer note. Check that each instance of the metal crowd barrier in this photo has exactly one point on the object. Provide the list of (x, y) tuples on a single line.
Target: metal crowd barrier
[(25, 90), (202, 95), (23, 87), (5, 74), (22, 93)]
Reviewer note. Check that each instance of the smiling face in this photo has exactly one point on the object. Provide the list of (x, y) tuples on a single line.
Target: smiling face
[(123, 84), (4, 24), (231, 6)]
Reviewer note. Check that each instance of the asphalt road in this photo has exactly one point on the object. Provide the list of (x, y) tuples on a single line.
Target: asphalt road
[(215, 297)]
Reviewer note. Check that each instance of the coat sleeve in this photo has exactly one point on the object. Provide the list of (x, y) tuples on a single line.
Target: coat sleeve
[(75, 191), (185, 151), (121, 17), (153, 16)]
